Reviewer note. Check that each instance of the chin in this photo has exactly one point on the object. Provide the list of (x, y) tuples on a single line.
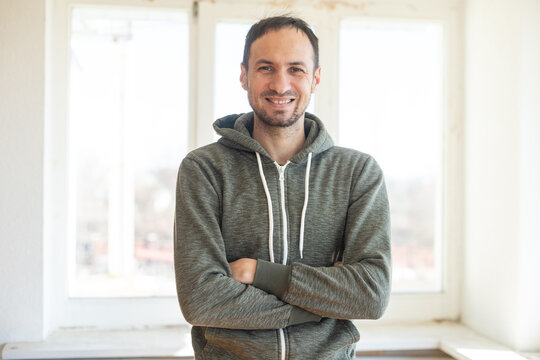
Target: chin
[(283, 123), (278, 118)]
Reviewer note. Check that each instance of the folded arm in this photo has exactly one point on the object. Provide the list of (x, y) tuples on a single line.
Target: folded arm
[(361, 287)]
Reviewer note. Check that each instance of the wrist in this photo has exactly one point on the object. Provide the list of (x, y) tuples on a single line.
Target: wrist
[(272, 278)]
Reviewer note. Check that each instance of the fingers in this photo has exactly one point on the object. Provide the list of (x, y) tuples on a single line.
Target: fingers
[(243, 270)]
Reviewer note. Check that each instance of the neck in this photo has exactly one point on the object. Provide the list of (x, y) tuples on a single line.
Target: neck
[(281, 143)]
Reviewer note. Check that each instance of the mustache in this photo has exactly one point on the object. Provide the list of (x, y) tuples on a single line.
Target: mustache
[(276, 94)]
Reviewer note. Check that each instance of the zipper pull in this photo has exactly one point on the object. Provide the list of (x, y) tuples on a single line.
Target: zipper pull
[(281, 170)]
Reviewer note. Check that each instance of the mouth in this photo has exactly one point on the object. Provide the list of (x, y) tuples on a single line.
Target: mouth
[(279, 101)]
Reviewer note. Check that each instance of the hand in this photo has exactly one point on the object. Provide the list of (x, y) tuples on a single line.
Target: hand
[(243, 270)]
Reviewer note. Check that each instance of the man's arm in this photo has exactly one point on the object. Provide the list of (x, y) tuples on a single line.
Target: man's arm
[(360, 288), (207, 292), (244, 269)]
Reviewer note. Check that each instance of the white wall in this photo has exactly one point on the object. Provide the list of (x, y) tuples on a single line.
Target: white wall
[(529, 296), (22, 82), (502, 117)]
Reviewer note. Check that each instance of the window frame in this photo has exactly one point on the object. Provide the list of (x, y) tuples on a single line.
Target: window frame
[(429, 306), (62, 311)]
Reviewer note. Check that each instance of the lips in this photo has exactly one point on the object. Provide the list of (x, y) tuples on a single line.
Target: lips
[(280, 101)]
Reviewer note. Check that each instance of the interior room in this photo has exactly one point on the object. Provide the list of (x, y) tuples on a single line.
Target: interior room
[(100, 100)]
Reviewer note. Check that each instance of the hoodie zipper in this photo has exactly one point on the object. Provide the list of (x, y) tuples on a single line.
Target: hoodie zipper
[(281, 171)]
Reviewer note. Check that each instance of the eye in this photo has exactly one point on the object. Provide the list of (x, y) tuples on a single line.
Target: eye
[(265, 68), (297, 70)]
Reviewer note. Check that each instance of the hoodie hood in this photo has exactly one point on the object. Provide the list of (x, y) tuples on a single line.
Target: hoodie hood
[(236, 133)]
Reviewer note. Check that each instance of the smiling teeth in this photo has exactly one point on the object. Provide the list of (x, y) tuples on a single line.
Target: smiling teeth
[(280, 101)]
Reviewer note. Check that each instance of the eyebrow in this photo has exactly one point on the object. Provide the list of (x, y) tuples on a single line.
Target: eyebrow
[(293, 63)]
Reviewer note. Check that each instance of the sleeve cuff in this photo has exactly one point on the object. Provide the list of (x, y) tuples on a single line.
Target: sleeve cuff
[(300, 316), (272, 278)]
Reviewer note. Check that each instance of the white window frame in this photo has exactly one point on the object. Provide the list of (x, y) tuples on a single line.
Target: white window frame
[(62, 311)]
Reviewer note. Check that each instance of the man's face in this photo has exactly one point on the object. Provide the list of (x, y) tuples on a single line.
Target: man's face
[(281, 77)]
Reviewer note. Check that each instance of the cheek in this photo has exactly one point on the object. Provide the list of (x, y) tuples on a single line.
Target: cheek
[(306, 87), (255, 86), (306, 84)]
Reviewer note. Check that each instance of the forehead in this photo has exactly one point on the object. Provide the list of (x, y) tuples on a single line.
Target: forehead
[(286, 44)]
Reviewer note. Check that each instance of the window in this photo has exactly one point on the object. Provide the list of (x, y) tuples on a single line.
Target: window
[(146, 81), (118, 126), (229, 97), (391, 106), (128, 130)]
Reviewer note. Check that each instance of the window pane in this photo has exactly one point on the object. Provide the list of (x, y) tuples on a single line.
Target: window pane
[(391, 106), (230, 97), (127, 134)]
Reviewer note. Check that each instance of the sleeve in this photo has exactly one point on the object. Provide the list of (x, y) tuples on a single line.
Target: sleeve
[(359, 289), (207, 293)]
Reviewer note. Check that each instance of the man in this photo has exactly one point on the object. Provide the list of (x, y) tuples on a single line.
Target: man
[(280, 237)]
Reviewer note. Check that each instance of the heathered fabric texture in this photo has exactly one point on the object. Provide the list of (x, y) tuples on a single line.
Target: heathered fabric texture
[(222, 215)]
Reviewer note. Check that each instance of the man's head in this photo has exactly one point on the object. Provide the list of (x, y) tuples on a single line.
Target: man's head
[(276, 23), (280, 70)]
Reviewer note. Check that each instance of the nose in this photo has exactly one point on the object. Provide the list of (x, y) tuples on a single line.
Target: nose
[(281, 83)]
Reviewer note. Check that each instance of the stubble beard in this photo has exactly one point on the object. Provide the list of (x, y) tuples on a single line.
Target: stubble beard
[(276, 119)]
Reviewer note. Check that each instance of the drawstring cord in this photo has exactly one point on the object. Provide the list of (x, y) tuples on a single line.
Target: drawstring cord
[(270, 214), (306, 197)]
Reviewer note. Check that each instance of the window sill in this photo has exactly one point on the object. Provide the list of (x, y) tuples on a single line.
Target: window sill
[(451, 338)]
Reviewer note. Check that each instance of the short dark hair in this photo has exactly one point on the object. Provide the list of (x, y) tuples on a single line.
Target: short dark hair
[(276, 23)]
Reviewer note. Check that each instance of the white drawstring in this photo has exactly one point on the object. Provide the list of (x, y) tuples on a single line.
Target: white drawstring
[(270, 214), (306, 196)]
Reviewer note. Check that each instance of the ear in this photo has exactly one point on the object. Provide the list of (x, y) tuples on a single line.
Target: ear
[(316, 80), (243, 77)]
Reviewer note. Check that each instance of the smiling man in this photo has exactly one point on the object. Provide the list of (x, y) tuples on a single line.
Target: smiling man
[(281, 238)]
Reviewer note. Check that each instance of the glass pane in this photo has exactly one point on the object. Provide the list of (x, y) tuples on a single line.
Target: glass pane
[(230, 97), (128, 131), (392, 107)]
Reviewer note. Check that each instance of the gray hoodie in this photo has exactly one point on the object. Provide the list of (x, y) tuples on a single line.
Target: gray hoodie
[(327, 204)]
